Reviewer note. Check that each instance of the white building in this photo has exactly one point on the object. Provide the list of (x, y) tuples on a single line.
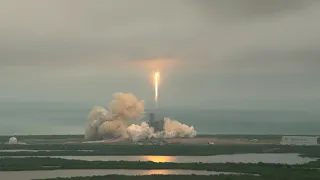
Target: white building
[(300, 140), (13, 140)]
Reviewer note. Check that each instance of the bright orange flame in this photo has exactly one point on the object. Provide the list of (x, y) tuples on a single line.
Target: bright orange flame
[(156, 85), (159, 158)]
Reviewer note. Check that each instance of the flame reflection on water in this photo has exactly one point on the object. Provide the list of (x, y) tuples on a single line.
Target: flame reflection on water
[(156, 171)]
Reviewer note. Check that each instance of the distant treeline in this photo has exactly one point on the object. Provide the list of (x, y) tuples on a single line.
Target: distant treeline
[(46, 163), (170, 150), (248, 136), (42, 137), (165, 177), (195, 177), (243, 136), (81, 136), (279, 171)]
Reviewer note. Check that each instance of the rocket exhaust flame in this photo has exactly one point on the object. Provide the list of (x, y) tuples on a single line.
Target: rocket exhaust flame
[(156, 86)]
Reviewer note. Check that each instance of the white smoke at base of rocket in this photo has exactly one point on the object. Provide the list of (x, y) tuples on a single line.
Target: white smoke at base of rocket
[(123, 108), (171, 129), (138, 132)]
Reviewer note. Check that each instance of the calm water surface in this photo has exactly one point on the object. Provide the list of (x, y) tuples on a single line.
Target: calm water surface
[(30, 150), (28, 175), (289, 158), (234, 158)]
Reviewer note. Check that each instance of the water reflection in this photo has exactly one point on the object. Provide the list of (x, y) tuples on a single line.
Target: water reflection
[(290, 158), (156, 171), (30, 150), (159, 158), (46, 174)]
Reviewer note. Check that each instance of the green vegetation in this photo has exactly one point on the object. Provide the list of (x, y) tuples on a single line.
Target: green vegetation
[(243, 136), (48, 139), (46, 163), (248, 136), (192, 177), (309, 171), (162, 177), (44, 137), (266, 171), (81, 136), (172, 150)]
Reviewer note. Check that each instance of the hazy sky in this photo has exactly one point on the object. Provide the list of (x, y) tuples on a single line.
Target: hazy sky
[(212, 53)]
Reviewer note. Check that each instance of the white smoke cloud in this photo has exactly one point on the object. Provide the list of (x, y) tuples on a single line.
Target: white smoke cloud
[(138, 132), (125, 107), (173, 128), (115, 128), (97, 116), (122, 108)]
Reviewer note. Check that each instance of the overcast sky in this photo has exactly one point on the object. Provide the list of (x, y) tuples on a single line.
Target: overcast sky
[(211, 53)]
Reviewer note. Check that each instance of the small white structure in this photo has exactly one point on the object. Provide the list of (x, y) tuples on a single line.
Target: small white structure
[(13, 140), (300, 140)]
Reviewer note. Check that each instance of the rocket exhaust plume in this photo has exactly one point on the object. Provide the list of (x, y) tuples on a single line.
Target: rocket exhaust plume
[(124, 107), (156, 87), (102, 123)]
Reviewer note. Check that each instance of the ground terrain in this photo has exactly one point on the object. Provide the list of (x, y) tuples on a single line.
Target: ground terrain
[(73, 145)]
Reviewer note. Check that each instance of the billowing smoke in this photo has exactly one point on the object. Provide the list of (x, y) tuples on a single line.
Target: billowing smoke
[(138, 132), (171, 129), (97, 116), (123, 108)]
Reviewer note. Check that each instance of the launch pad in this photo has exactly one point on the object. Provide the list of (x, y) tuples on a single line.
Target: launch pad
[(155, 122)]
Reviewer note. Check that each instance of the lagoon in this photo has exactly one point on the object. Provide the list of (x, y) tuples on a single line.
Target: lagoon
[(288, 158), (28, 175)]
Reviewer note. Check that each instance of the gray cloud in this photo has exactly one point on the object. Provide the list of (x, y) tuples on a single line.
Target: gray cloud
[(53, 33), (280, 61), (80, 45), (43, 32), (251, 10)]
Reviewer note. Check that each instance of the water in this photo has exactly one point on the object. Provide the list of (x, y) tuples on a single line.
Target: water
[(289, 158), (30, 150), (28, 175)]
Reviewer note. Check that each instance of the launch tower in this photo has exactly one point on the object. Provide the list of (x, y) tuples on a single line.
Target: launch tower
[(157, 124)]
